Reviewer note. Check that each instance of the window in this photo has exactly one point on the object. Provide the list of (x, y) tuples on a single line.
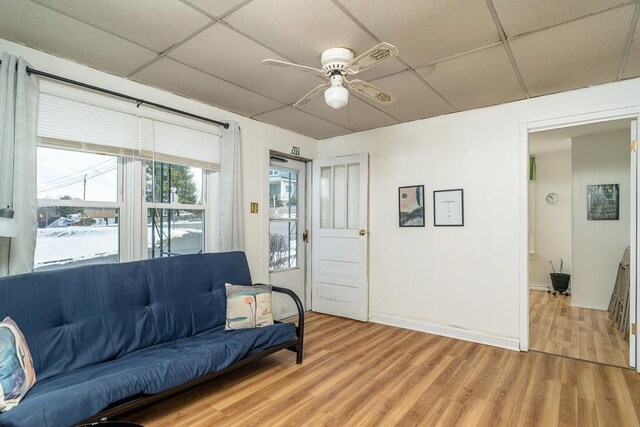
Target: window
[(78, 209), (175, 209), (120, 182), (283, 218)]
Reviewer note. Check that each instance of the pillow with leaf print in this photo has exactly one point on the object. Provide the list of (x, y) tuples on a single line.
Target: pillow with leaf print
[(17, 375), (248, 306)]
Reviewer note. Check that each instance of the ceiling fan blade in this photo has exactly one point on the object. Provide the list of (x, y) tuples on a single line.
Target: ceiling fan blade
[(313, 94), (371, 91), (284, 64), (377, 54)]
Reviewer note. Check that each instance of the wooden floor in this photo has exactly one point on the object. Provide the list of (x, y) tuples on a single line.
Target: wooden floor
[(558, 328), (367, 374)]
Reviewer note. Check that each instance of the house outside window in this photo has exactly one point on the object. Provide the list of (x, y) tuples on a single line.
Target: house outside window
[(78, 209)]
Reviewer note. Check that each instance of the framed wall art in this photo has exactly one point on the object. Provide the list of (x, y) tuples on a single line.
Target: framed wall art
[(411, 206), (603, 202), (448, 208)]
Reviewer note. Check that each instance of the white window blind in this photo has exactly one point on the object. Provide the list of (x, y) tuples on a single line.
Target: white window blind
[(90, 126), (168, 142), (64, 123)]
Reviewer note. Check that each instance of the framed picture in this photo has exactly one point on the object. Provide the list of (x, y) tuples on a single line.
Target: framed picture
[(448, 208), (603, 202), (411, 206)]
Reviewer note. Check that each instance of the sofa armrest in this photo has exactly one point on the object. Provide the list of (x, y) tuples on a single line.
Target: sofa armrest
[(300, 327)]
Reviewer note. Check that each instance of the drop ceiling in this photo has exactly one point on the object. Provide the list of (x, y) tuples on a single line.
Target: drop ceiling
[(454, 54)]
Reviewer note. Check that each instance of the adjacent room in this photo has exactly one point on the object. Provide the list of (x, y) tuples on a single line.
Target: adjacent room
[(579, 254), (319, 213)]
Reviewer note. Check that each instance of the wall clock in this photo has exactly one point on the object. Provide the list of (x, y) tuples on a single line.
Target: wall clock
[(552, 198)]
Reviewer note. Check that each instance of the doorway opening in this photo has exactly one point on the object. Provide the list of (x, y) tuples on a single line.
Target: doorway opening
[(582, 224), (288, 233)]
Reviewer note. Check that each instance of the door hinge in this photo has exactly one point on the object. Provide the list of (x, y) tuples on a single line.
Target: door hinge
[(305, 236), (634, 329), (634, 145)]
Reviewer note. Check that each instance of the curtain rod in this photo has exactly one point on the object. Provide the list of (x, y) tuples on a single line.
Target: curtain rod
[(138, 101)]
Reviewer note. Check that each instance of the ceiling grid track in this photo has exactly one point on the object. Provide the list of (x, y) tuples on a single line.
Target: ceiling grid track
[(227, 81), (218, 20), (507, 48), (93, 26), (627, 47), (408, 67), (167, 51), (568, 21), (459, 55), (220, 17), (622, 67), (256, 117), (247, 36)]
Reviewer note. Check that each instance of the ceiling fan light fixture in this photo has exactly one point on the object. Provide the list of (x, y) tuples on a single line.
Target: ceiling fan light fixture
[(338, 63), (336, 97)]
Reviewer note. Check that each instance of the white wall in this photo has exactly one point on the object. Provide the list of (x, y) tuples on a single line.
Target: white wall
[(257, 139), (552, 223), (598, 245), (466, 281)]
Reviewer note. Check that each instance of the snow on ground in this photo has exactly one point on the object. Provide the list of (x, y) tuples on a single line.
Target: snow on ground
[(175, 233), (58, 246), (69, 244)]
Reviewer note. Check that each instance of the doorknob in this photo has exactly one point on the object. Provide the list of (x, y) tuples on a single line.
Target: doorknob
[(362, 232)]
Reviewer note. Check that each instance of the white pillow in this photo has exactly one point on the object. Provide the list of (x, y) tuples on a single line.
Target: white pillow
[(248, 306)]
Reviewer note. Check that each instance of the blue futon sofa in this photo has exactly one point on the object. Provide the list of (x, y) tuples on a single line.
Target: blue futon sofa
[(108, 338)]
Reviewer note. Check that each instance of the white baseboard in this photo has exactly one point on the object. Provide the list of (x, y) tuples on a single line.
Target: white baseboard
[(539, 286), (590, 307), (450, 331)]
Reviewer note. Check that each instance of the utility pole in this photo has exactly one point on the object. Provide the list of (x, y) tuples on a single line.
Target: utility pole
[(84, 191)]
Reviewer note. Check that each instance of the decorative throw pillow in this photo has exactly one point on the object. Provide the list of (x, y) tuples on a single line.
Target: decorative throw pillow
[(248, 306), (17, 375)]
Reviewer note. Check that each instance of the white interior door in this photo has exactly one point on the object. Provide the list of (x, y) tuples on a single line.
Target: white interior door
[(287, 224), (340, 237), (633, 279)]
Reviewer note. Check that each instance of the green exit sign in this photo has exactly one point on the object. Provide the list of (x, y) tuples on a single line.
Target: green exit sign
[(295, 151)]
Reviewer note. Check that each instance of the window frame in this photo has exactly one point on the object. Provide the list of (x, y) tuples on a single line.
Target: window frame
[(132, 207), (119, 204), (205, 207)]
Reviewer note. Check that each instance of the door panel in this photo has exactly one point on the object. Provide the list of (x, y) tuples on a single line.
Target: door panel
[(340, 237)]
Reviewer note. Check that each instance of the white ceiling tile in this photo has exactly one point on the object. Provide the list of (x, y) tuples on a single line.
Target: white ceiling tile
[(391, 66), (425, 31), (300, 122), (573, 55), (302, 29), (170, 75), (414, 99), (216, 7), (156, 24), (44, 29), (356, 115), (518, 17), (216, 51), (632, 68), (481, 78)]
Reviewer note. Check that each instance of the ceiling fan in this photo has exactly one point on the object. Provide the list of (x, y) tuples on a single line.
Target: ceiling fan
[(337, 64)]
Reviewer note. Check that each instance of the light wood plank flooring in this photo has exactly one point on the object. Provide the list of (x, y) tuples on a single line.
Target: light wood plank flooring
[(558, 328), (368, 374)]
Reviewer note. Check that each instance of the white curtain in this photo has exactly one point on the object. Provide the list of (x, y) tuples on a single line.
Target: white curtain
[(18, 141), (230, 230)]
